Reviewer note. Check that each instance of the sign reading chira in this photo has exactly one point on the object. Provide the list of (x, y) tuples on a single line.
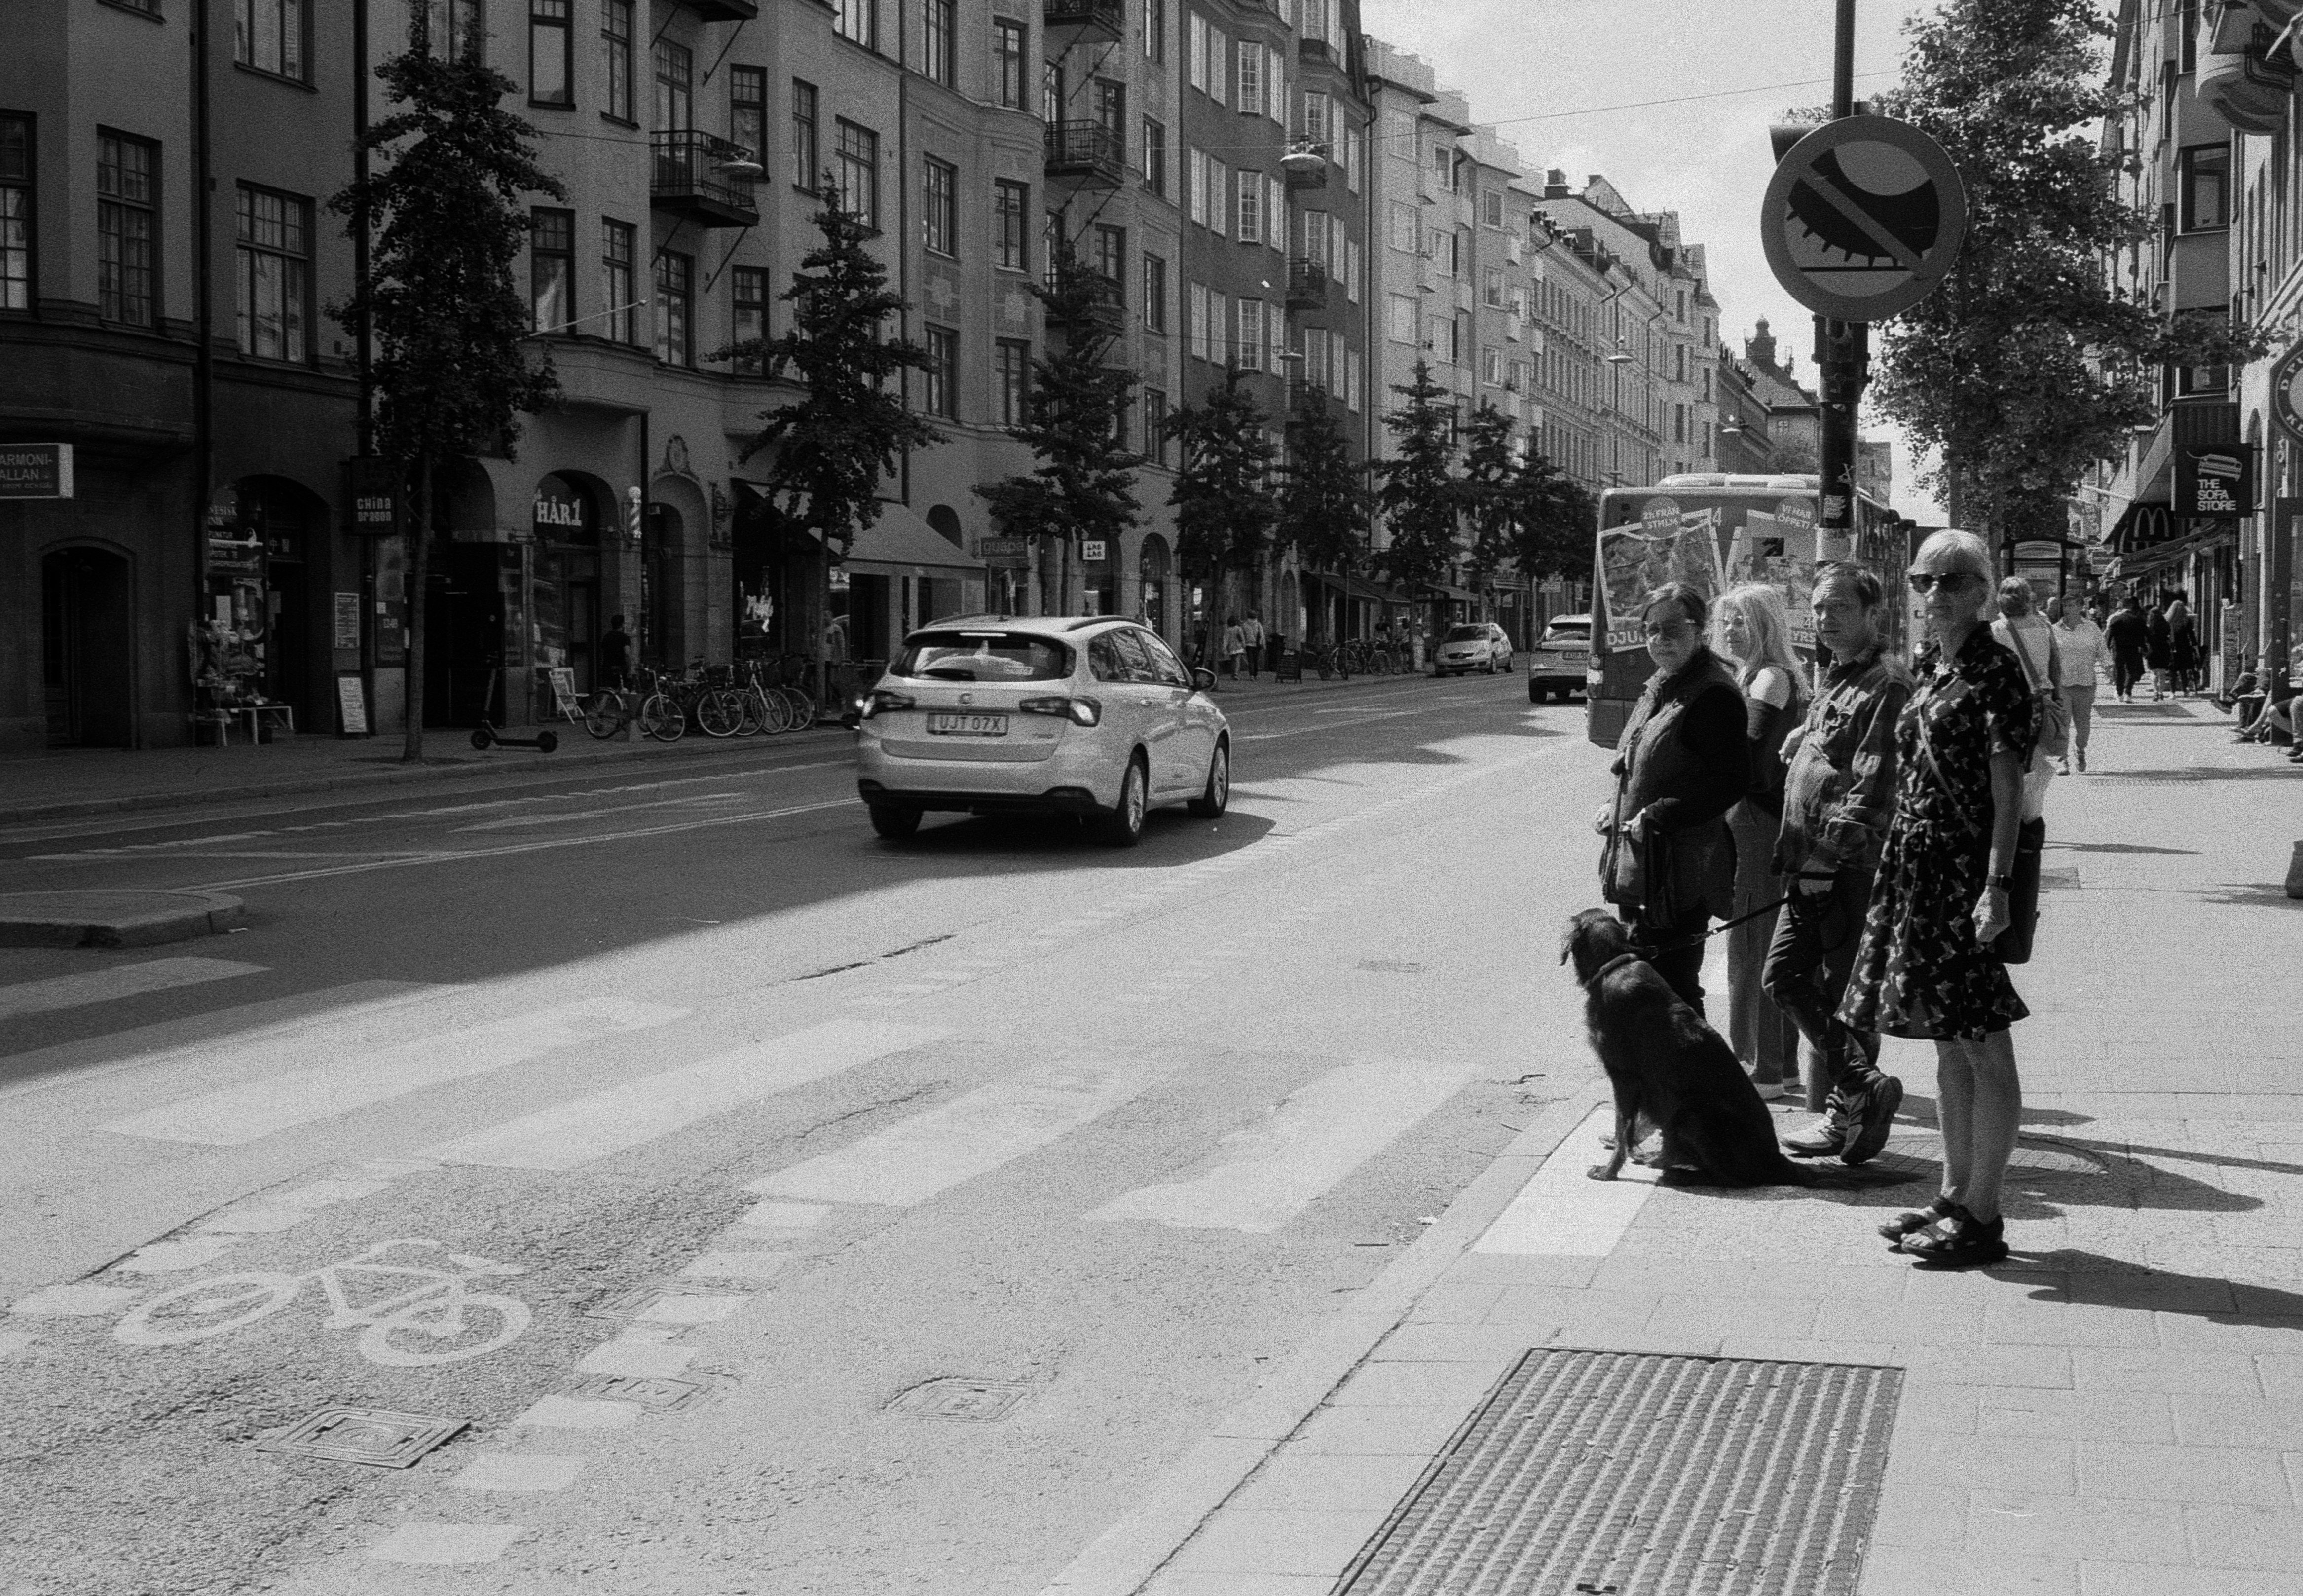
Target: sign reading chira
[(36, 471)]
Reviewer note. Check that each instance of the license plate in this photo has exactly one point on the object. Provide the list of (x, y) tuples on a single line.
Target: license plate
[(1574, 657), (968, 726)]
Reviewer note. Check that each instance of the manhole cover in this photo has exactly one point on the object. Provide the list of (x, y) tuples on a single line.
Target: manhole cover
[(2033, 1161), (366, 1435), (662, 1396), (1647, 1475), (1393, 967), (951, 1399)]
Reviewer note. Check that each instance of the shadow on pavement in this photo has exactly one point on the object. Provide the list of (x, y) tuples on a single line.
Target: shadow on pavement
[(2104, 1281), (2253, 895)]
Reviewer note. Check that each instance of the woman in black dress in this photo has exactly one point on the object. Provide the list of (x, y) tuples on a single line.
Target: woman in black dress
[(1926, 966)]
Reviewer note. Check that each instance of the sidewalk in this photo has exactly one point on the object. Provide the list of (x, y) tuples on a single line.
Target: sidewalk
[(2117, 1410)]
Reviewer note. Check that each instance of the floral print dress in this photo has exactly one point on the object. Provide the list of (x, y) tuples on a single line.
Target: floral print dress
[(1920, 971)]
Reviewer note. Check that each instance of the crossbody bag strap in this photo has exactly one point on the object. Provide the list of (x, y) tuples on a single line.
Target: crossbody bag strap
[(1935, 772)]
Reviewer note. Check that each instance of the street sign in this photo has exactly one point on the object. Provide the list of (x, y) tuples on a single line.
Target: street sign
[(2213, 479), (1004, 551), (373, 486), (36, 471), (2287, 392), (1092, 550), (1863, 218)]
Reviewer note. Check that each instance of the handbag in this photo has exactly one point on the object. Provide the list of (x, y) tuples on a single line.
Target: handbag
[(2051, 717), (2012, 945)]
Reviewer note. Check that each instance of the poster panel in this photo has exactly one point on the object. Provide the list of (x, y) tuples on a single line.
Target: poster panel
[(1674, 546), (1778, 552)]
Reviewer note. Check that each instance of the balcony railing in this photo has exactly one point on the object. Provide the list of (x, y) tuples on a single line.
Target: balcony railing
[(1106, 17), (1307, 284), (1086, 152), (1306, 397), (1314, 49), (723, 11), (1106, 309), (692, 178)]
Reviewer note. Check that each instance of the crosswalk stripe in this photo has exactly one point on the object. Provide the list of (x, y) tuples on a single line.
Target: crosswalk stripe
[(972, 1134), (577, 1132), (1324, 1130), (122, 981), (259, 1108), (1561, 1211)]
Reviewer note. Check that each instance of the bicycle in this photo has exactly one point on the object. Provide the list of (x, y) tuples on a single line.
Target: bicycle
[(437, 1308), (663, 714), (791, 671), (720, 710), (766, 708)]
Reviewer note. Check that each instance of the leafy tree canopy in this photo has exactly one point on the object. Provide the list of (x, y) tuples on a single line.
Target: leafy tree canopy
[(1418, 492), (1225, 510), (1324, 501)]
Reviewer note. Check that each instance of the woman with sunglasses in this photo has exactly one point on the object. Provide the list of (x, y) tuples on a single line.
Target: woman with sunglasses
[(1682, 762), (1926, 966)]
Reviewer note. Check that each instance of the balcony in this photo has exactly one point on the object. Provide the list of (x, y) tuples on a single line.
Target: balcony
[(1306, 399), (1103, 19), (1317, 49), (723, 11), (1307, 284), (1087, 153), (1106, 309), (703, 179)]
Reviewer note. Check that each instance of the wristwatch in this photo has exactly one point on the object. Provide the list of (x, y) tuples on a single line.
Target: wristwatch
[(2002, 883)]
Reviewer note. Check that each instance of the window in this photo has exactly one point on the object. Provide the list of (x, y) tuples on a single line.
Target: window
[(127, 181), (455, 26), (675, 95), (1318, 113), (1248, 352), (1352, 271), (618, 285), (1352, 381), (1491, 287), (747, 108), (1195, 320), (1492, 208), (675, 303), (1009, 47), (551, 54), (859, 172), (1352, 138), (616, 56), (1400, 318), (750, 326), (858, 19), (1440, 338), (1051, 90), (1155, 426), (268, 34), (1155, 29), (16, 213), (1275, 87), (939, 208), (1679, 424), (1112, 108), (1403, 227), (1443, 167), (1011, 366), (943, 372), (1251, 208), (1491, 366), (1195, 51), (551, 268), (1155, 156), (1155, 294), (938, 41), (276, 276), (1011, 204), (1250, 80), (1218, 68), (807, 158), (2204, 177), (1109, 255)]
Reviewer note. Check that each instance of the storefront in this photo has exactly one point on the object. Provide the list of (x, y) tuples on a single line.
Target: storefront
[(564, 606)]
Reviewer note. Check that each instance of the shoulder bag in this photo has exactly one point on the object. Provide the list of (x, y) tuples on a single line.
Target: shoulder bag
[(2012, 945), (2051, 717)]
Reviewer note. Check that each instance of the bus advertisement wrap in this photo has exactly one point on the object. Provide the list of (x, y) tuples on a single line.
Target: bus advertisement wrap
[(1669, 545)]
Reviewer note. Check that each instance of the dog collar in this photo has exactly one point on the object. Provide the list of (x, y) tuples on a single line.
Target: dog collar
[(1602, 973)]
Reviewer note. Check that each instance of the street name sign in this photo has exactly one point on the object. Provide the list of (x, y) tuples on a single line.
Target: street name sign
[(1863, 218), (36, 471)]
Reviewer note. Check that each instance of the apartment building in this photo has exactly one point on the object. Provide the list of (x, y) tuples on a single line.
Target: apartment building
[(1746, 448)]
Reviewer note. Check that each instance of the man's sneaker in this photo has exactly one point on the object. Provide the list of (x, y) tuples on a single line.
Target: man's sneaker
[(1871, 1117), (1821, 1139)]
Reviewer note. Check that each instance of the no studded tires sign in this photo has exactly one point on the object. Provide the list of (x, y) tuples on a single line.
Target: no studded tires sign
[(1863, 218)]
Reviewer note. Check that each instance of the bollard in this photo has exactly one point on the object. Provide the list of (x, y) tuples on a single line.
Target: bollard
[(2295, 873)]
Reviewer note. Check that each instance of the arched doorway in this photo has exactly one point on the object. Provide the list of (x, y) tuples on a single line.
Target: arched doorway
[(1152, 568), (472, 566), (564, 616), (87, 635)]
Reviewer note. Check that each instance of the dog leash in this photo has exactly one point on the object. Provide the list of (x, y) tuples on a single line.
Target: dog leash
[(1690, 942)]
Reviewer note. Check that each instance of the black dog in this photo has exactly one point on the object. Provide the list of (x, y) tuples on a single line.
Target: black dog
[(1672, 1070)]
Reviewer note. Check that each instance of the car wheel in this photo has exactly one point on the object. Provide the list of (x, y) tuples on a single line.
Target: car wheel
[(894, 822), (1123, 827), (1216, 797)]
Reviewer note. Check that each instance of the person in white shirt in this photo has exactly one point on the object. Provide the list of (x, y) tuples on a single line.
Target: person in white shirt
[(2081, 648), (1250, 633)]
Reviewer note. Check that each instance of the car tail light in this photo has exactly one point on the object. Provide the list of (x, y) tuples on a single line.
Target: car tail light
[(881, 701), (1085, 712)]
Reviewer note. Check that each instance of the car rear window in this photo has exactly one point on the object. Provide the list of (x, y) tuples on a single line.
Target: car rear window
[(1568, 631), (988, 656), (1465, 634)]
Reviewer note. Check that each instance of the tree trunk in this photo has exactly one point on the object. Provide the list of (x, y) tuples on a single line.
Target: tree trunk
[(419, 564), (1954, 490)]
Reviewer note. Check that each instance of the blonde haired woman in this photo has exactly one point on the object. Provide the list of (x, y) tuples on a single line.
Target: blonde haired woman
[(1753, 633)]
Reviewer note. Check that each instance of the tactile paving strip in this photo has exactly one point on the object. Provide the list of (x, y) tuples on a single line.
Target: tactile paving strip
[(1640, 1474)]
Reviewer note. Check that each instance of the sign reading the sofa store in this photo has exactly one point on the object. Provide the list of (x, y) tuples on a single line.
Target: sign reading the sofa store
[(36, 471), (2213, 479)]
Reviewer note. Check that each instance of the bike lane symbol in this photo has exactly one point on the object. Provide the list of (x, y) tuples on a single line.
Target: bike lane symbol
[(421, 1308)]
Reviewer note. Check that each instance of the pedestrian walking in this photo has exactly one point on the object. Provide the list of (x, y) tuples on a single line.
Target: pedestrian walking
[(1839, 796), (1250, 632), (2025, 633), (1682, 764), (1926, 967), (2182, 646), (2083, 647), (615, 654), (2155, 649), (1234, 642), (1753, 635), (2128, 635)]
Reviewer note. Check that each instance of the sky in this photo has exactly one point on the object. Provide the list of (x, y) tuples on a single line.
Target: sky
[(1563, 80)]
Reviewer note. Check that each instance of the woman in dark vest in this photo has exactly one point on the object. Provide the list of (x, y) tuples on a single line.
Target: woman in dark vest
[(1683, 764)]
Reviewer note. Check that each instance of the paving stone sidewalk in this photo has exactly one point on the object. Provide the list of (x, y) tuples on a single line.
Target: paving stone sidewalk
[(2117, 1410)]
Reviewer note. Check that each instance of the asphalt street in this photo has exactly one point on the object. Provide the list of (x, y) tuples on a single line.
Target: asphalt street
[(784, 1210)]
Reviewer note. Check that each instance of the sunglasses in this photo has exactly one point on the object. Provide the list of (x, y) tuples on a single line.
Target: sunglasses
[(1927, 581)]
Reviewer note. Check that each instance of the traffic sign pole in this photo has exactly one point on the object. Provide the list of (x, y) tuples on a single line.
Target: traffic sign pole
[(1841, 348)]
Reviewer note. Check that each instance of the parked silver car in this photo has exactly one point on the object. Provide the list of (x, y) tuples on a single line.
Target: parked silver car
[(1474, 645), (1087, 715), (1556, 664)]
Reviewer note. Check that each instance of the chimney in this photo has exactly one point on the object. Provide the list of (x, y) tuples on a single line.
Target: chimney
[(1554, 184)]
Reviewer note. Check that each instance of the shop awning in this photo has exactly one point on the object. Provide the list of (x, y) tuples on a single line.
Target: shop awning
[(1363, 588), (2202, 537), (1462, 595), (898, 543)]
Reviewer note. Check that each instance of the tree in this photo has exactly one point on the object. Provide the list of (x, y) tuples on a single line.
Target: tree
[(1556, 522), (1323, 501), (1418, 494), (1225, 512), (1074, 413), (847, 429), (1489, 491), (2027, 364), (444, 207)]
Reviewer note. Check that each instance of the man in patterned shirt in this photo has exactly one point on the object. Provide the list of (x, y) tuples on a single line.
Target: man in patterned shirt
[(1839, 794)]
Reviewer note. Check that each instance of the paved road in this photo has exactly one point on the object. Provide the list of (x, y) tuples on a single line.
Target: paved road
[(759, 1105)]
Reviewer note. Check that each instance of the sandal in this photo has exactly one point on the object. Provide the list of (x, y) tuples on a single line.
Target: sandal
[(1959, 1241), (1916, 1219)]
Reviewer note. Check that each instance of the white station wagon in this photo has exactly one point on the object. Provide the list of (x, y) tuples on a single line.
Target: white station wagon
[(1066, 715)]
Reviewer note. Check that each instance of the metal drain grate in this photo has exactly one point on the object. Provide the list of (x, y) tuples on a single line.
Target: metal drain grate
[(1647, 1476)]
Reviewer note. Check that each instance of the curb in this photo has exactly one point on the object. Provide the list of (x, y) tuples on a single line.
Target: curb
[(132, 920), (1127, 1556)]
